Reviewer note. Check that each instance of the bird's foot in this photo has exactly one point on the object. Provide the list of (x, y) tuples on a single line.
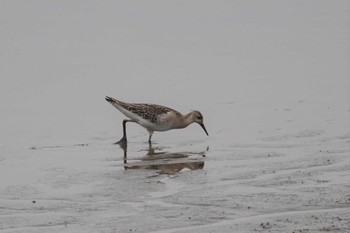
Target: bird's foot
[(123, 140)]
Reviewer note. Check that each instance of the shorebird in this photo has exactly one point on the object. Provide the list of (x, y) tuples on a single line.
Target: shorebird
[(155, 117)]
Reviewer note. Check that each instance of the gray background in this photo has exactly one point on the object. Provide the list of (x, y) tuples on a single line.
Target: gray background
[(270, 77)]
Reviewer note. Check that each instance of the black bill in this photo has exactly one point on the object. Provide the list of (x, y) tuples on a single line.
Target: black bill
[(205, 130)]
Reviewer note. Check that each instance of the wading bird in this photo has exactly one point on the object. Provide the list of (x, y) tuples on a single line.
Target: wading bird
[(155, 117)]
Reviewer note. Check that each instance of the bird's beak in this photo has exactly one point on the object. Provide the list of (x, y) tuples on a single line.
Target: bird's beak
[(205, 130)]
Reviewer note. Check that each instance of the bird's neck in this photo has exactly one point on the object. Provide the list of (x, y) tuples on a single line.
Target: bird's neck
[(185, 121)]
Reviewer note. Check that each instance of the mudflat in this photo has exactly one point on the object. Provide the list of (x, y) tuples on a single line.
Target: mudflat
[(271, 79)]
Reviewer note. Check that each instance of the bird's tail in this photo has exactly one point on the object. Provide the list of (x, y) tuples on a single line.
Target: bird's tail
[(116, 103), (110, 99)]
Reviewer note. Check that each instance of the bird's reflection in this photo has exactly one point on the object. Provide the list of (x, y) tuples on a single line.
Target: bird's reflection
[(164, 162)]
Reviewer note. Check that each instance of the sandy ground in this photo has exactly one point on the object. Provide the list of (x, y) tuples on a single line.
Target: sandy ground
[(270, 77)]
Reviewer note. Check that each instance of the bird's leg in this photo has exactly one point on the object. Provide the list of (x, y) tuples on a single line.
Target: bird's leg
[(150, 149), (123, 140), (150, 136)]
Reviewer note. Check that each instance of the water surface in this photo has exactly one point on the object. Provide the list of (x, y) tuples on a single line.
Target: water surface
[(271, 79)]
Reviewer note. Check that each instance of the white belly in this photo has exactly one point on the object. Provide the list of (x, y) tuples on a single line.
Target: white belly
[(152, 126)]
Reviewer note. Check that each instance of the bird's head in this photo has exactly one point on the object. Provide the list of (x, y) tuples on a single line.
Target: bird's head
[(197, 117)]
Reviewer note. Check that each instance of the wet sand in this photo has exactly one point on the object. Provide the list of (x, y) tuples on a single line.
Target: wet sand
[(274, 99), (287, 183)]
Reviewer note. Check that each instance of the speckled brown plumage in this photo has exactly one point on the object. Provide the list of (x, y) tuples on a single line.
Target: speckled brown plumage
[(150, 112)]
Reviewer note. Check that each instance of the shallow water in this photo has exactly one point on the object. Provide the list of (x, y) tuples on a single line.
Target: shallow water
[(271, 79)]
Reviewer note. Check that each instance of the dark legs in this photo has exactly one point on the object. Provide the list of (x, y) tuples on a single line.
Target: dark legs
[(150, 136), (123, 140)]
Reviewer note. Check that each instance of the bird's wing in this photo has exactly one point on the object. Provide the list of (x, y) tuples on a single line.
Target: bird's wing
[(151, 112)]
